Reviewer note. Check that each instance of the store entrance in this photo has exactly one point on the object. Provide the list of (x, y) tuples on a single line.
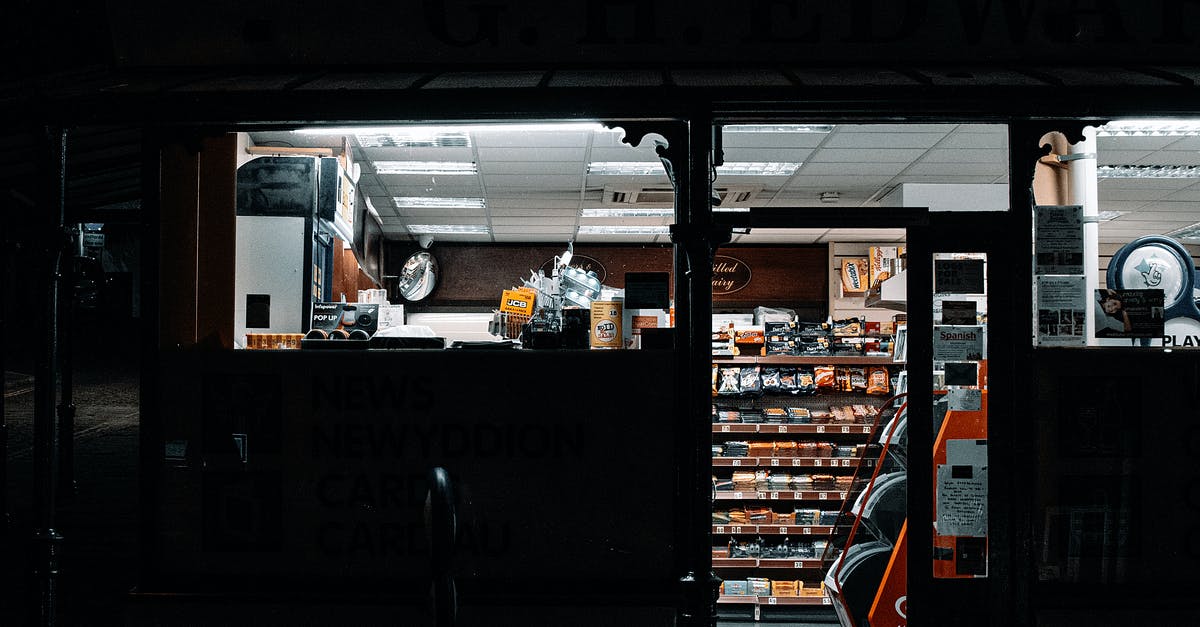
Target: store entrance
[(812, 402)]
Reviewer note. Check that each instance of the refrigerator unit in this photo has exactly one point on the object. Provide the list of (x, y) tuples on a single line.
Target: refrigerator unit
[(289, 211)]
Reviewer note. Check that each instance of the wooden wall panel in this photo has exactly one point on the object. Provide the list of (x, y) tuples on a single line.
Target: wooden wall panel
[(179, 198), (474, 276), (216, 228)]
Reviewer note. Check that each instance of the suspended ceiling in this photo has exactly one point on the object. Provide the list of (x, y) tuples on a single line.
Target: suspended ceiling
[(536, 185)]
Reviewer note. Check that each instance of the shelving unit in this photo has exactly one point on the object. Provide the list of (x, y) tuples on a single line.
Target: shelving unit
[(810, 571)]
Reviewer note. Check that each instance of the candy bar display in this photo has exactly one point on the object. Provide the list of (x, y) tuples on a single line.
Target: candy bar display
[(792, 412)]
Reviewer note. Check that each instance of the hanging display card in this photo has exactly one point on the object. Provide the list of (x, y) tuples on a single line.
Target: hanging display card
[(964, 399), (1058, 245), (958, 276), (1129, 313), (957, 343), (962, 500), (1062, 303), (959, 312)]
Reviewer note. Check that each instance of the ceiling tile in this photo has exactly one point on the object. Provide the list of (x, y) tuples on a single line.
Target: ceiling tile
[(1120, 157), (967, 139), (541, 181), (621, 153), (1175, 157), (880, 155), (438, 183), (946, 178), (1104, 144), (846, 169), (954, 169), (531, 154), (883, 140), (532, 167), (966, 155), (531, 139), (772, 140), (823, 182), (536, 229), (569, 220), (396, 153)]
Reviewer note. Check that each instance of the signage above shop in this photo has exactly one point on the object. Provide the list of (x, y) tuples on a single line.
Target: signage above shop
[(729, 275), (499, 33)]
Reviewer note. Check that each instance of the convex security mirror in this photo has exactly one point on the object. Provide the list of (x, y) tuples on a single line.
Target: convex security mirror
[(418, 277)]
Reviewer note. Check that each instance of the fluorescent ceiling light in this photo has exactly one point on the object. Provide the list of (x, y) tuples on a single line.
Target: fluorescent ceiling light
[(1149, 128), (414, 139), (425, 167), (777, 128), (434, 202), (593, 229), (430, 229), (428, 130), (625, 168), (731, 209), (1148, 172), (632, 212), (754, 168), (1106, 216)]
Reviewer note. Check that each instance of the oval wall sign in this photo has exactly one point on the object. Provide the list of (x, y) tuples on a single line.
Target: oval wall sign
[(583, 262), (729, 275)]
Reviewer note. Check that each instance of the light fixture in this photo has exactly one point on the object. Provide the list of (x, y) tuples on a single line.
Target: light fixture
[(731, 209), (1191, 233), (625, 168), (371, 208), (435, 202), (830, 197), (430, 229), (592, 229), (777, 128), (425, 167), (430, 130), (758, 168), (632, 212), (413, 139), (1148, 171), (1149, 128)]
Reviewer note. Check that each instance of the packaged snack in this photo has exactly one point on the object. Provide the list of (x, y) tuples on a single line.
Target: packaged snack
[(825, 377), (776, 415), (759, 587), (858, 379), (817, 347), (878, 380), (786, 448), (787, 347), (849, 327), (799, 415), (714, 379), (841, 379), (778, 331), (770, 381), (821, 417), (730, 384), (751, 381), (735, 588), (787, 380), (806, 382)]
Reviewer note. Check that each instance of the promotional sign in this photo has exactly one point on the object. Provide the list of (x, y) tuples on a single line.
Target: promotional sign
[(1061, 302), (1129, 313), (729, 274), (1058, 240), (331, 316), (958, 276), (957, 343), (606, 324), (519, 301), (959, 312)]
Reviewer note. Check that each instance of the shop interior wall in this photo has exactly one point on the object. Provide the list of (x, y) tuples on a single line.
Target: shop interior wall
[(473, 276)]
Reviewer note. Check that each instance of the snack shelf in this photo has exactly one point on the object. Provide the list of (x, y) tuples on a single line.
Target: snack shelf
[(801, 360), (774, 530), (806, 429), (755, 562), (789, 495), (753, 600), (785, 462)]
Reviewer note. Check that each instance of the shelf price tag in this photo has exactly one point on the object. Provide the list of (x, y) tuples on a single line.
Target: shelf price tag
[(820, 428), (797, 564), (720, 529), (797, 495), (737, 462), (845, 429), (866, 429), (735, 529), (823, 496), (770, 600), (774, 496), (842, 496), (783, 429), (724, 428), (783, 530), (737, 495), (817, 463), (808, 531), (774, 462), (824, 600), (762, 495), (797, 462), (845, 463)]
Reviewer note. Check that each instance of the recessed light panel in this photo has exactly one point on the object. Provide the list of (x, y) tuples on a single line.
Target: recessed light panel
[(425, 167), (632, 212), (433, 229), (623, 230), (1148, 172), (436, 202)]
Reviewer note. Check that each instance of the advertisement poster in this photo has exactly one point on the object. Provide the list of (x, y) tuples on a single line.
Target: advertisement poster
[(958, 276), (1062, 303), (1129, 313), (957, 343), (1058, 245)]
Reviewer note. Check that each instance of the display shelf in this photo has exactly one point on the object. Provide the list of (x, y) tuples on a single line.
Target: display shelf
[(804, 360), (753, 600), (774, 530), (785, 462), (754, 562), (802, 495), (804, 429)]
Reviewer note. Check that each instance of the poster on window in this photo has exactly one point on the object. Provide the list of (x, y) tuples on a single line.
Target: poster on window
[(957, 343), (1128, 313), (1062, 310), (1058, 241)]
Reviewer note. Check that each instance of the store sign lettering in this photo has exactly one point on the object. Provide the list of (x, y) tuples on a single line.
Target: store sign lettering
[(582, 262), (1187, 341), (729, 275)]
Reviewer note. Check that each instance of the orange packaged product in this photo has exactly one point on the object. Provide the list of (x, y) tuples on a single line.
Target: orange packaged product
[(786, 588), (785, 449), (762, 449), (785, 518), (825, 376)]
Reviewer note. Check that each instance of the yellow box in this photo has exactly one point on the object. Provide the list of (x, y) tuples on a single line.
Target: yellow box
[(518, 301)]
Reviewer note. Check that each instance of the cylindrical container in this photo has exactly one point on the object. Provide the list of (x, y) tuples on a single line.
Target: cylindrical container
[(606, 324)]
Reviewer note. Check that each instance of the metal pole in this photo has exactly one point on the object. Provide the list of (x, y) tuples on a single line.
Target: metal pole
[(66, 405), (45, 538)]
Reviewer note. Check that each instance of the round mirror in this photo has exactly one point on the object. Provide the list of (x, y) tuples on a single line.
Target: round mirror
[(418, 277)]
